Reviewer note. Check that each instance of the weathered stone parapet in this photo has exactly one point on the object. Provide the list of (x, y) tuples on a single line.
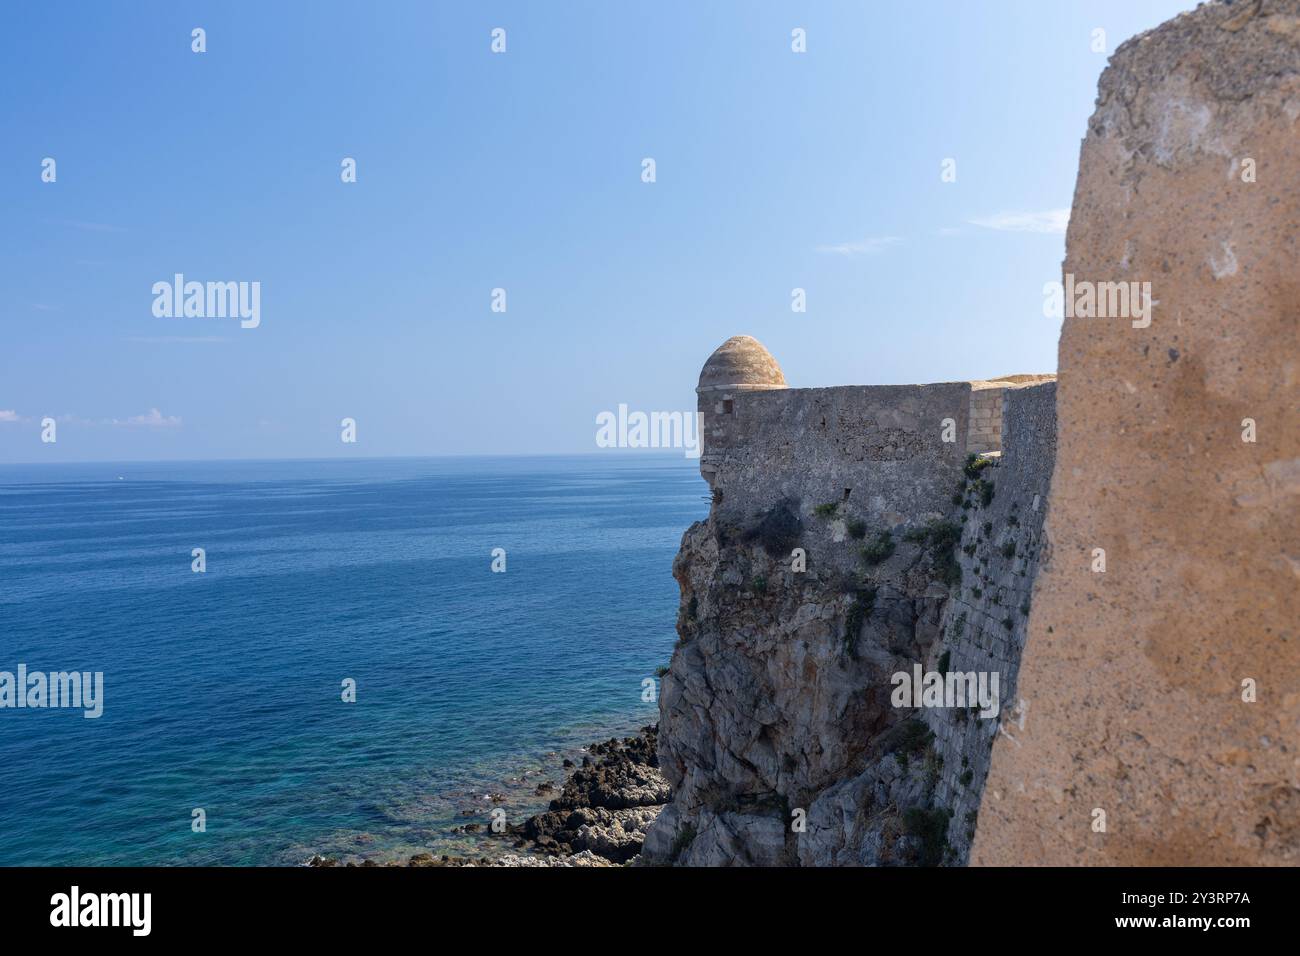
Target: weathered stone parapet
[(826, 566), (985, 623), (984, 435), (985, 431)]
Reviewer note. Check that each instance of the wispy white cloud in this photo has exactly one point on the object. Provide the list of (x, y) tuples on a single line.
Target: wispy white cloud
[(1046, 221), (871, 246), (151, 419), (154, 419)]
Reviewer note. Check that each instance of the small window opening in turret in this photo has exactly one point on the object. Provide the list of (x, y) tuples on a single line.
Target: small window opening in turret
[(847, 492), (727, 406)]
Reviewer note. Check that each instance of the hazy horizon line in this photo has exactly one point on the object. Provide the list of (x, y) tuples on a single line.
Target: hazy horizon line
[(605, 453)]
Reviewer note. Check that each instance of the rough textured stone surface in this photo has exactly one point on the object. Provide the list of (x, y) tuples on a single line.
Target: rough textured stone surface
[(985, 621), (605, 807), (777, 732), (741, 361), (1133, 677), (585, 858)]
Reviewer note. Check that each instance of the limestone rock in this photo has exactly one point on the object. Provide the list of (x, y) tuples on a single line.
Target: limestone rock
[(777, 733), (1134, 676)]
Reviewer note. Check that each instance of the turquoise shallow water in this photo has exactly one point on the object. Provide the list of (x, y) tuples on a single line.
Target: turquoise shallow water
[(222, 689)]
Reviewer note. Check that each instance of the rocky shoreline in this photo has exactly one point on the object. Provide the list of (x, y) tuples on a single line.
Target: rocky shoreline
[(599, 818)]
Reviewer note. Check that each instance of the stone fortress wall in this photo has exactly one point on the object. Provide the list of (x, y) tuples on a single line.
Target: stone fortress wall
[(778, 695), (1152, 716), (986, 404), (985, 622)]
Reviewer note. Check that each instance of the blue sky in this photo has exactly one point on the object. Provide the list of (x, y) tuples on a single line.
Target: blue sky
[(520, 170)]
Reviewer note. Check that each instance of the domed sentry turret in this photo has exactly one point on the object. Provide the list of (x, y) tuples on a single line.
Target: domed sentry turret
[(740, 364)]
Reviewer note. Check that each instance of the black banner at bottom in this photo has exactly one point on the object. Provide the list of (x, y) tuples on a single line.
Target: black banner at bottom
[(374, 903)]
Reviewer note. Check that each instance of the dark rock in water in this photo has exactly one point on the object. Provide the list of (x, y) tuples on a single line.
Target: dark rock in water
[(419, 860), (600, 817), (606, 806), (545, 787)]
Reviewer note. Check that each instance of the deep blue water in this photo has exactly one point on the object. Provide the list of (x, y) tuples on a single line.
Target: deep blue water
[(222, 689)]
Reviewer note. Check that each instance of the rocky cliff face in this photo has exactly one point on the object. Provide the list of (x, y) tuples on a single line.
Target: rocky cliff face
[(1154, 720), (778, 732)]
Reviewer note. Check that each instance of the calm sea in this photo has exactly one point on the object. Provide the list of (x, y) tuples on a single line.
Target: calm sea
[(222, 689)]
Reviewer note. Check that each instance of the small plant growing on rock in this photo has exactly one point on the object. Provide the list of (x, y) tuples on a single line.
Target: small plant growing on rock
[(857, 528), (1008, 623), (942, 538), (907, 738), (966, 777), (975, 464), (759, 584), (777, 531), (827, 510), (933, 767), (931, 827), (685, 837), (863, 604), (879, 548), (661, 671), (1009, 550)]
